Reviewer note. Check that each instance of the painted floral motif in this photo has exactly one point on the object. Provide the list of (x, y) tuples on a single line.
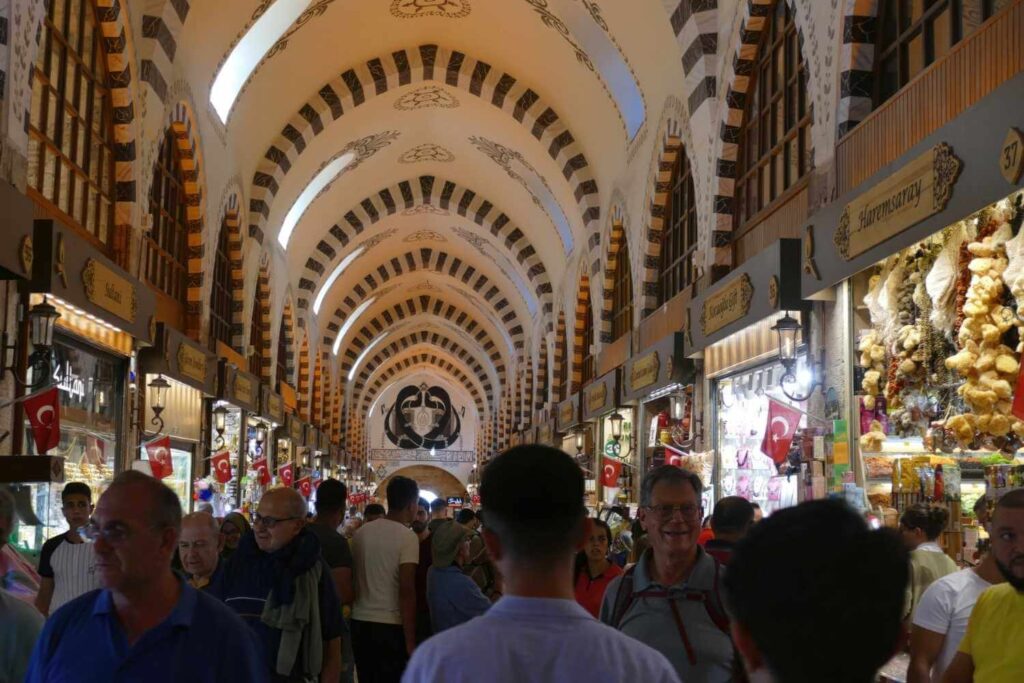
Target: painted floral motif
[(425, 209), (427, 97), (425, 236), (426, 152), (447, 9)]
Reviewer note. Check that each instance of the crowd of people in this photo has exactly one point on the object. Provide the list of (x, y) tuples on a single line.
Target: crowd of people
[(526, 589)]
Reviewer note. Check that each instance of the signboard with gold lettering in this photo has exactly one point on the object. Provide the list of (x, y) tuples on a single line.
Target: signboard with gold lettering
[(243, 389), (109, 291), (295, 430), (275, 407), (644, 371), (726, 306), (597, 397), (920, 189), (568, 413), (192, 363), (544, 433)]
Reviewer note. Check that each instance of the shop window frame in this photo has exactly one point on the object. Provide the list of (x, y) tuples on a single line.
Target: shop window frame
[(676, 271), (221, 297), (563, 368), (255, 359), (165, 246), (622, 293), (281, 374)]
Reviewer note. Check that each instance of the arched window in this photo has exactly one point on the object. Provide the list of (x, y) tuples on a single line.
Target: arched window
[(775, 139), (543, 384), (679, 234), (912, 35), (256, 339), (563, 368), (282, 354), (586, 351), (622, 293), (165, 247), (220, 296), (70, 155)]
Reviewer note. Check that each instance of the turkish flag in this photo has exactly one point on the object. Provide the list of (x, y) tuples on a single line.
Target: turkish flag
[(673, 457), (778, 433), (305, 486), (1017, 408), (159, 452), (43, 412), (221, 466), (287, 474), (610, 472), (261, 471)]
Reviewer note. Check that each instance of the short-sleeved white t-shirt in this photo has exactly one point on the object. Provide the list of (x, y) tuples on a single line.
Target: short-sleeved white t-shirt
[(945, 607), (378, 548)]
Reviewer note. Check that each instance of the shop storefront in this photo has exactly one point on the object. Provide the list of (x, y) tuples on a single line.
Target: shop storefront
[(752, 392), (924, 261), (576, 438), (612, 445), (178, 376), (291, 444), (105, 315), (232, 430), (261, 429)]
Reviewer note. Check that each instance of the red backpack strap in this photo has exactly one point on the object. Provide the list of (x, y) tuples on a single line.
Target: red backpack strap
[(624, 598), (715, 606)]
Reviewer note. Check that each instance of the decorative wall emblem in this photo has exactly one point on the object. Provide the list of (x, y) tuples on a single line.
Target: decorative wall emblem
[(375, 240), (773, 291), (427, 97), (426, 286), (426, 209), (422, 417), (413, 9), (425, 236), (426, 152), (363, 149), (810, 267)]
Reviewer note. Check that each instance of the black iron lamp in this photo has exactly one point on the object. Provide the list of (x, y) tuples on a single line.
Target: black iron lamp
[(220, 420), (616, 421), (580, 440), (788, 329), (158, 390), (41, 319)]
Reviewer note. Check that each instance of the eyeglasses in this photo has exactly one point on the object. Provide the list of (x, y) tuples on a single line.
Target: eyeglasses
[(115, 534), (666, 512), (269, 522)]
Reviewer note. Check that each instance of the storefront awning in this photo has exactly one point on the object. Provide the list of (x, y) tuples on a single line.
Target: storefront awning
[(765, 284), (178, 357), (17, 228), (68, 267), (237, 388), (959, 169), (602, 395), (657, 367), (568, 415)]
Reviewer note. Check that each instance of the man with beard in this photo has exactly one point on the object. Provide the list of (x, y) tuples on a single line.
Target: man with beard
[(993, 649), (423, 534)]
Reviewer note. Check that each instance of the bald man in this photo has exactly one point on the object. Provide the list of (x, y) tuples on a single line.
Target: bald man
[(278, 582), (199, 547)]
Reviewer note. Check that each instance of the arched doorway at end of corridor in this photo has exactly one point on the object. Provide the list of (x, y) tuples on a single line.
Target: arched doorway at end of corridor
[(433, 479)]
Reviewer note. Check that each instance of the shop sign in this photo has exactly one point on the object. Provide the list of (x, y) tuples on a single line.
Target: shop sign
[(544, 434), (726, 306), (109, 291), (566, 413), (920, 189), (1011, 156), (68, 381), (192, 363), (295, 430), (242, 389), (275, 407), (597, 397), (644, 371)]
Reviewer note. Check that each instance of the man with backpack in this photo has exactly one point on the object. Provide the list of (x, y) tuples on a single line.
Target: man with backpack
[(672, 599)]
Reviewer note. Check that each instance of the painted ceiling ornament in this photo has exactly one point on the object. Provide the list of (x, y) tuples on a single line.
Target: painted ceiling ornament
[(426, 152), (447, 9), (427, 97), (425, 236), (376, 240), (422, 417), (426, 286), (426, 209), (363, 149)]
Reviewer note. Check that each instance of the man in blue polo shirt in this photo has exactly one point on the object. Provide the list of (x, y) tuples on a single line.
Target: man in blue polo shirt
[(145, 624)]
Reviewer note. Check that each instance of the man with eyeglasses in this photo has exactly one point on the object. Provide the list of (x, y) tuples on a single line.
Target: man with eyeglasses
[(199, 548), (279, 583), (671, 600), (66, 563), (145, 624)]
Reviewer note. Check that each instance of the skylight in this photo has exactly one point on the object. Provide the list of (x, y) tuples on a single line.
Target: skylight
[(319, 182), (349, 321), (366, 352), (345, 263), (250, 51)]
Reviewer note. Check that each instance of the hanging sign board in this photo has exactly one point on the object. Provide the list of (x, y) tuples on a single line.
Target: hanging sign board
[(272, 405), (109, 291), (238, 388), (727, 305), (175, 355), (602, 395), (568, 413), (545, 433), (657, 366)]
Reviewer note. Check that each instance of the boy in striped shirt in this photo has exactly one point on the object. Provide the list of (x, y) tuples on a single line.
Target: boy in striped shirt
[(67, 563)]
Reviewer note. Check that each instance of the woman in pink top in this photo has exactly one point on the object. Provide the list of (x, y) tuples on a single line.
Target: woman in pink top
[(593, 569)]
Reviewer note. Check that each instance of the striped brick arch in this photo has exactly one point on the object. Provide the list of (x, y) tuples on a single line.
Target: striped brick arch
[(422, 360), (425, 63), (427, 260), (672, 147), (616, 240), (231, 224), (857, 64), (415, 307), (695, 25), (425, 191), (288, 332), (262, 345), (319, 370), (162, 22), (756, 16), (583, 309), (561, 357), (542, 395), (304, 377)]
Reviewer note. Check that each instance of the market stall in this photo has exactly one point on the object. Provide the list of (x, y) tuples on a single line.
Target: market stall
[(290, 446), (928, 260), (232, 432), (178, 375), (758, 388), (613, 447), (576, 439), (105, 315)]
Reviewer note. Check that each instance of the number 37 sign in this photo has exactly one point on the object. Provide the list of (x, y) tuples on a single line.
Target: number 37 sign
[(1011, 156)]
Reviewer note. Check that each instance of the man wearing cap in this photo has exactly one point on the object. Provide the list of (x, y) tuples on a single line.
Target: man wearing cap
[(452, 596)]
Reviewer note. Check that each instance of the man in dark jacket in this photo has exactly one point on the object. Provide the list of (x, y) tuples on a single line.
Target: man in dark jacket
[(279, 583)]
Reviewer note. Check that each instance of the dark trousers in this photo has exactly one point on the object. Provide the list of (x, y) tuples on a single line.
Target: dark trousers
[(380, 651)]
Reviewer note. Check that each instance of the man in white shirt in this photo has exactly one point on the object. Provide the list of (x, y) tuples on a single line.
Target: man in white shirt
[(940, 619), (67, 563), (537, 633), (385, 553)]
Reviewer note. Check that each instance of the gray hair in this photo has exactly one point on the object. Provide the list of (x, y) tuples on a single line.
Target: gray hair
[(670, 474), (293, 499), (6, 508), (202, 519), (164, 509)]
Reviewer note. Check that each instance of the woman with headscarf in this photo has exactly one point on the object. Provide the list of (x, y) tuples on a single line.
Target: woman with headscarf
[(234, 526)]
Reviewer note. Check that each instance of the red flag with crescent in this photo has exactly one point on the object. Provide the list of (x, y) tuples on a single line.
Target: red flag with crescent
[(305, 486), (43, 413), (778, 433), (673, 457), (287, 474), (610, 472), (221, 466), (261, 471), (159, 452)]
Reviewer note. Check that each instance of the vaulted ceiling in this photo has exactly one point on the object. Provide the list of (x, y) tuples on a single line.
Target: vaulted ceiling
[(430, 168)]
